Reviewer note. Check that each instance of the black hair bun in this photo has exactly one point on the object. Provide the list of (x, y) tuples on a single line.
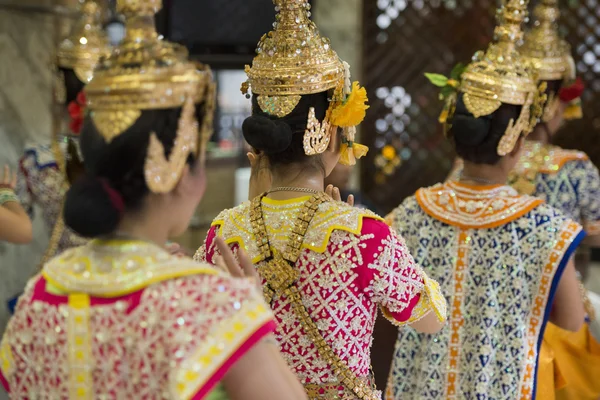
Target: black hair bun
[(89, 210), (264, 134), (470, 131), (466, 129)]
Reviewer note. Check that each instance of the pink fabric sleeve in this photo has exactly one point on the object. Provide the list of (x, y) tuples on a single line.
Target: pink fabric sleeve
[(4, 382), (388, 272)]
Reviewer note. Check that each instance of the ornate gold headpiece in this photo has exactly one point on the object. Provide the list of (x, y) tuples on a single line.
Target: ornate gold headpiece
[(86, 43), (295, 60), (548, 52), (147, 73), (500, 75)]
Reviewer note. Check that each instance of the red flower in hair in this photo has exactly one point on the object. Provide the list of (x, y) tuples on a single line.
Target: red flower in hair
[(569, 93), (77, 112)]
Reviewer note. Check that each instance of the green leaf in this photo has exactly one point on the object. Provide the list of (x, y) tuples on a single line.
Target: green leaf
[(457, 71), (447, 91), (437, 79)]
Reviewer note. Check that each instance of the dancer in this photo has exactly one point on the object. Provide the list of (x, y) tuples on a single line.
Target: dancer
[(568, 181), (325, 266), (503, 260), (121, 318)]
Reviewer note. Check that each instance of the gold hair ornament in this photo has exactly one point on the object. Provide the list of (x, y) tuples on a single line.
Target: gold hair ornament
[(500, 76), (163, 173), (317, 135), (86, 43), (295, 60), (148, 73), (550, 54)]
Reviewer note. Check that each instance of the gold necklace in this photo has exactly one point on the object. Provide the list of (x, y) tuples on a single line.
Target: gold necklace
[(280, 275), (293, 189)]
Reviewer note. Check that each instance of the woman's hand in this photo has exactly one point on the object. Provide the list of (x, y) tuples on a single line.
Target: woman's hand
[(9, 180), (260, 175), (335, 194), (227, 262)]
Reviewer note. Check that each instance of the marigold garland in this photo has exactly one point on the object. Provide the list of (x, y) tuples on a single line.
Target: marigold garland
[(354, 109)]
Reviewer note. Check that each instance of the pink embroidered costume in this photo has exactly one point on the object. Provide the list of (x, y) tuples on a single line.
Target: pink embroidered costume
[(351, 264), (123, 320)]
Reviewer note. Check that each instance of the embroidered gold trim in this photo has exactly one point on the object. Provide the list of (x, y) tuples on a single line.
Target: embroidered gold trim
[(478, 207), (567, 234), (217, 348), (285, 285), (80, 348), (116, 268)]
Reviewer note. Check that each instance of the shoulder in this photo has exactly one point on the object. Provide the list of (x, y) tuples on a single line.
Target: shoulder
[(408, 208), (232, 214)]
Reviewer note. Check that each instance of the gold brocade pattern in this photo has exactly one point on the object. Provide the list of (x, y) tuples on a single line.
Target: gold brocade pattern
[(166, 341), (279, 216)]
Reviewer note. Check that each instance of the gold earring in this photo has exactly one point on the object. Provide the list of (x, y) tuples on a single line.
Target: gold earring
[(317, 135), (162, 174)]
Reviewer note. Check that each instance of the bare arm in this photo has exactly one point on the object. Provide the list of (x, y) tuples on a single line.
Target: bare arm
[(15, 225), (567, 311), (428, 324), (262, 374)]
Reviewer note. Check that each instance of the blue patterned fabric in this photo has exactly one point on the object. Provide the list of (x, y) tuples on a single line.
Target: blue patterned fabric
[(498, 304)]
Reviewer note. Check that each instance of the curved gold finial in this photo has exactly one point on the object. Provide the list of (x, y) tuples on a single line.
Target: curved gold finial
[(86, 43)]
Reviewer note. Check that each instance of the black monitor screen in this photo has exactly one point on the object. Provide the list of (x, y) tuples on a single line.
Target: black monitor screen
[(220, 23)]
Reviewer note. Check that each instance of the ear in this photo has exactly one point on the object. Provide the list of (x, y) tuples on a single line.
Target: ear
[(333, 141), (185, 184)]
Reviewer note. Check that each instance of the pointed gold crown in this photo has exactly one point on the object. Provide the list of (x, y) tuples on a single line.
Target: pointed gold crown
[(500, 75), (86, 43), (292, 60), (143, 73), (543, 46)]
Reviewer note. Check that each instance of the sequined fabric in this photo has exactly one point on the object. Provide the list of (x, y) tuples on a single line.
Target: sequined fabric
[(565, 179), (351, 263), (172, 339), (40, 182), (497, 282)]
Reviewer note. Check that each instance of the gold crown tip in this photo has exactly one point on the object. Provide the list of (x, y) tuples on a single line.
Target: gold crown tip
[(131, 8)]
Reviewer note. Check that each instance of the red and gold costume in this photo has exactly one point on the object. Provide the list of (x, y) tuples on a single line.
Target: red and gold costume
[(351, 264), (124, 319)]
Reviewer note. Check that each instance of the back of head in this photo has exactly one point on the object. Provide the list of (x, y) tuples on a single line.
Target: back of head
[(282, 139), (476, 139), (114, 180), (138, 136)]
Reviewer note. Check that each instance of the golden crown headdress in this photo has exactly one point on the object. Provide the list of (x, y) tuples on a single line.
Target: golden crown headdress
[(548, 52), (295, 60), (148, 73), (500, 75), (86, 43)]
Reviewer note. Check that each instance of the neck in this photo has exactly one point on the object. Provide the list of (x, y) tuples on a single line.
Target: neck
[(539, 134), (305, 179), (481, 174), (143, 226)]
